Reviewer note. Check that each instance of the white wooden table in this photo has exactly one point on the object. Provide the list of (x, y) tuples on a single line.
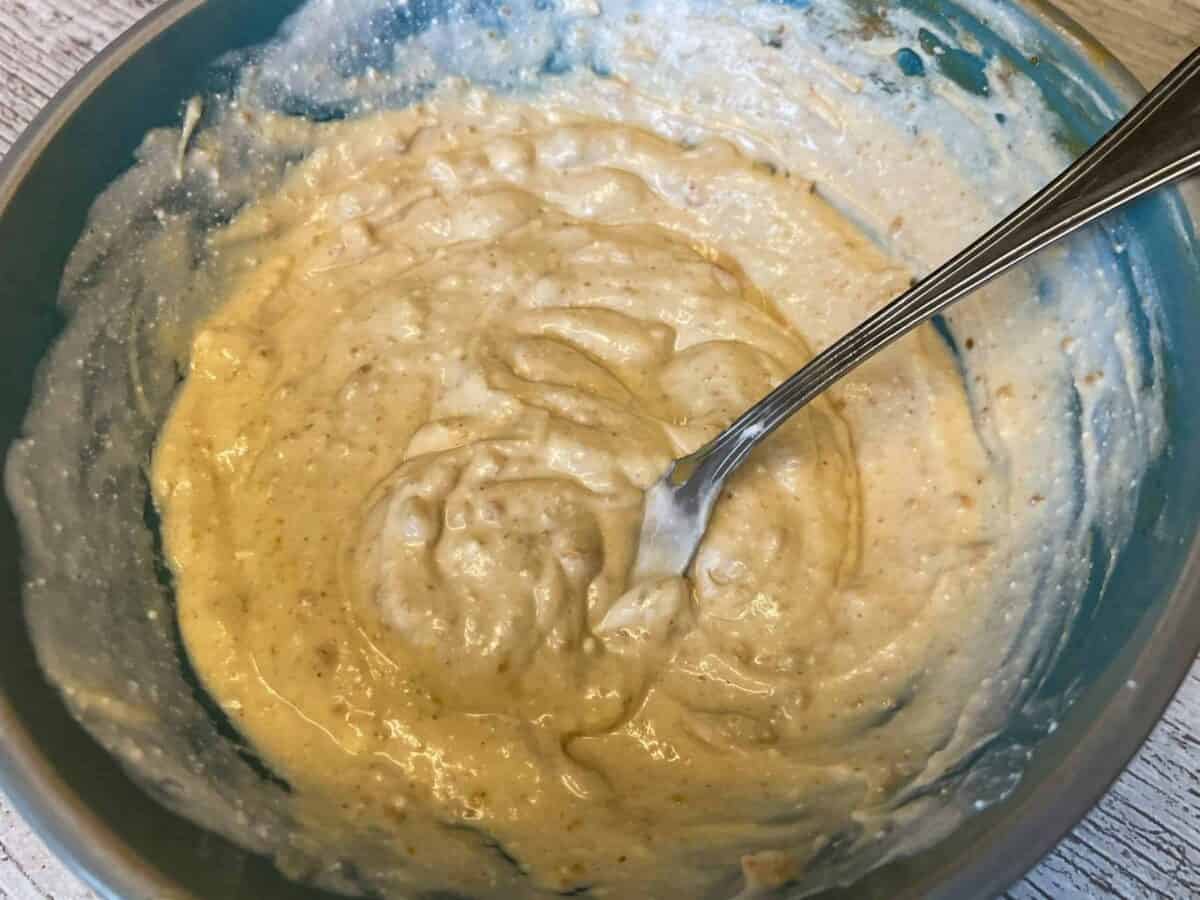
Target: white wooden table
[(1142, 841)]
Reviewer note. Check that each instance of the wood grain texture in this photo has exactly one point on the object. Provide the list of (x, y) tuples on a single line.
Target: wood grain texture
[(1142, 841), (1149, 36)]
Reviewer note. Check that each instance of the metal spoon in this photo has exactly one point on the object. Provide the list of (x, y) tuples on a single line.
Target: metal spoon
[(1157, 143)]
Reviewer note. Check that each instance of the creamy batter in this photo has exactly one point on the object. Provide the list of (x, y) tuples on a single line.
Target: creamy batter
[(401, 485)]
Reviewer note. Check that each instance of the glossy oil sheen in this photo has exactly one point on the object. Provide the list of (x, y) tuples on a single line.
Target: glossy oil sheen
[(1141, 626)]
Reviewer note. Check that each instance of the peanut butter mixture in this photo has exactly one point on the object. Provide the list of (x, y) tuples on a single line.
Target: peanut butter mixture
[(402, 485)]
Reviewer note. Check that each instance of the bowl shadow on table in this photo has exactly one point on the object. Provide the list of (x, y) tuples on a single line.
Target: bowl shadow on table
[(1126, 617)]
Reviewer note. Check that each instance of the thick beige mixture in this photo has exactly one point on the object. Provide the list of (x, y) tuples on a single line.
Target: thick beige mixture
[(437, 355), (402, 486)]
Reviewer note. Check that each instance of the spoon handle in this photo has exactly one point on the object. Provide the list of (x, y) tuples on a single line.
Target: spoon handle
[(1156, 143)]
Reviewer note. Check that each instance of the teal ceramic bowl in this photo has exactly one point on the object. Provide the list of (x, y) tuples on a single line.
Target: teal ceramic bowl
[(1136, 635)]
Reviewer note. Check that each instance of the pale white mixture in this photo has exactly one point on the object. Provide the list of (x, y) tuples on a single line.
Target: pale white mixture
[(401, 485)]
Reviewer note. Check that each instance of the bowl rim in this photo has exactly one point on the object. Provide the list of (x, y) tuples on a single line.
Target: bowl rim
[(1109, 742)]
